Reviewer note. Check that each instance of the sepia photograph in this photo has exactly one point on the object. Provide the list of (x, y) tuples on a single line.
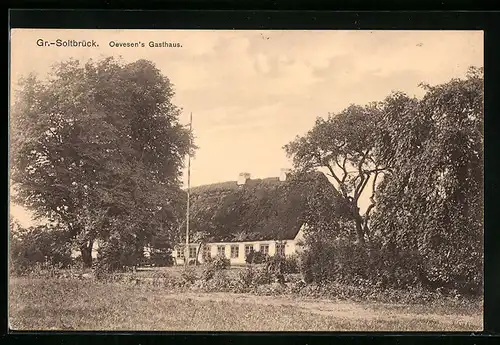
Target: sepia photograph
[(246, 180)]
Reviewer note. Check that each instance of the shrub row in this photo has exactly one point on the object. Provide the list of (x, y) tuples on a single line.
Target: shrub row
[(378, 267), (260, 281), (37, 247)]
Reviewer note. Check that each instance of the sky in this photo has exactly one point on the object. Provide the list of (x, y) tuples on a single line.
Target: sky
[(251, 92)]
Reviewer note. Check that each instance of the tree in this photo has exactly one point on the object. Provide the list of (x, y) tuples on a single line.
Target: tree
[(432, 203), (98, 148), (345, 145), (161, 245), (424, 161)]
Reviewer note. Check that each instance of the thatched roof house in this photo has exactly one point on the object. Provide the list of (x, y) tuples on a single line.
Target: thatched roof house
[(257, 210)]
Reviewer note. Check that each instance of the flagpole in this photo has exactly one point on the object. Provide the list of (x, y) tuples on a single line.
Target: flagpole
[(186, 253)]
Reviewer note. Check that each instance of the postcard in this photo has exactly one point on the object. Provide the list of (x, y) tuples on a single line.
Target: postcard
[(246, 180)]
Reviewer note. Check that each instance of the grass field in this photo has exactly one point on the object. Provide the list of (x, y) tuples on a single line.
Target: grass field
[(60, 304)]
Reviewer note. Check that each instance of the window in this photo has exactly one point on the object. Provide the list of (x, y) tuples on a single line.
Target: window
[(235, 251), (180, 253), (221, 250), (207, 252), (264, 249), (280, 249), (248, 249), (192, 252)]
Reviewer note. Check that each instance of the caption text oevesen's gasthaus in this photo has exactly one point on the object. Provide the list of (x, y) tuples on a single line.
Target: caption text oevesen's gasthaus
[(113, 44)]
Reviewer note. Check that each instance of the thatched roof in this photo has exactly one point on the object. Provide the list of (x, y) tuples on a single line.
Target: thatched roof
[(261, 209)]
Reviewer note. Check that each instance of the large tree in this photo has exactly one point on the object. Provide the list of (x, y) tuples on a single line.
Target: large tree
[(428, 205), (344, 145), (432, 203), (427, 210), (98, 147)]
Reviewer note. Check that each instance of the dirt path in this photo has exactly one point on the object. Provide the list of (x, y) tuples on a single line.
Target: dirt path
[(352, 311)]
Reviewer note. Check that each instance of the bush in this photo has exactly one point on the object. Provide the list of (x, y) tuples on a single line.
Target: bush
[(276, 268), (292, 264), (273, 271), (263, 276), (214, 265), (317, 263), (379, 266), (348, 263), (219, 283), (189, 275), (208, 272), (220, 263), (223, 281), (44, 246), (400, 270), (161, 258), (119, 254), (247, 277), (256, 257), (284, 265)]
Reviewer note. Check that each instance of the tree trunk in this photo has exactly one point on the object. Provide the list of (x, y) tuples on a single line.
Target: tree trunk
[(198, 253), (359, 230), (86, 252), (358, 219)]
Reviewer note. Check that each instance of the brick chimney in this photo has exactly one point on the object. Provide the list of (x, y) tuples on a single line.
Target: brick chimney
[(283, 174), (243, 178)]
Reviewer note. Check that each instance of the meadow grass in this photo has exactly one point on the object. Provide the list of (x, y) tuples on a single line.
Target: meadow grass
[(64, 304)]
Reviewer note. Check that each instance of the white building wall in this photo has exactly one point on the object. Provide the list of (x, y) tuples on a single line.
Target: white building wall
[(290, 249), (299, 240)]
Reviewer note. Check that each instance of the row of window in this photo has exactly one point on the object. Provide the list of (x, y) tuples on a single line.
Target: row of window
[(235, 250)]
